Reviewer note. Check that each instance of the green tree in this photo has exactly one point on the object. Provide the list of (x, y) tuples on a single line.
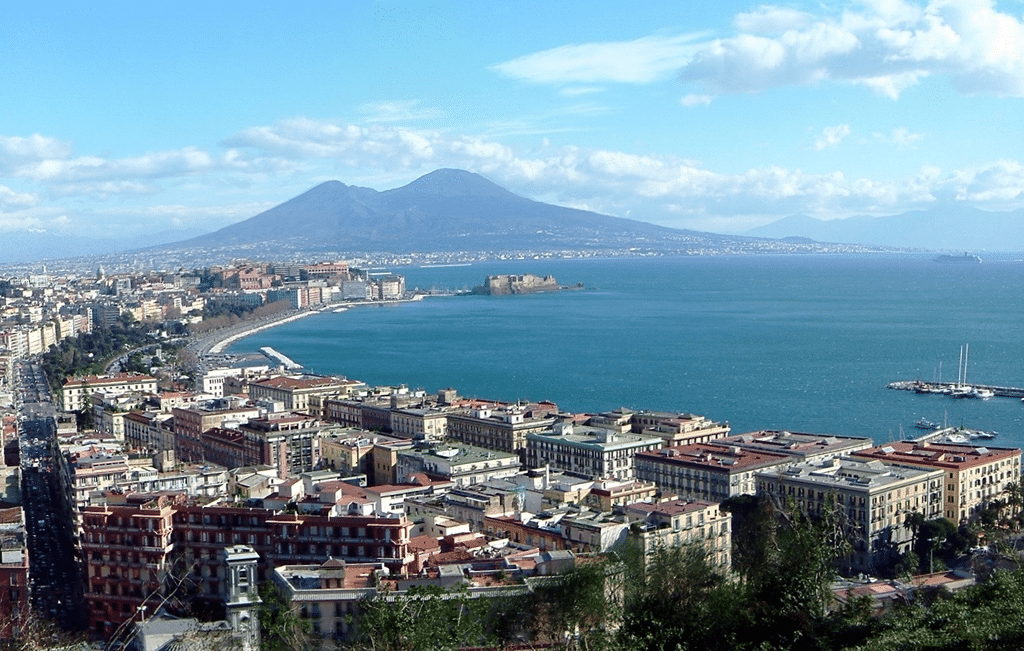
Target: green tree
[(791, 591), (678, 599), (281, 629), (582, 606), (423, 619)]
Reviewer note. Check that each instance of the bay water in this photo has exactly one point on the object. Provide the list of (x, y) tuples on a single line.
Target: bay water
[(800, 343)]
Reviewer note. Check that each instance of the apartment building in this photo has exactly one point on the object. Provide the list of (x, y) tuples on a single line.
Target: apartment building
[(677, 428), (190, 424), (306, 394), (683, 522), (76, 392), (707, 471), (14, 571), (501, 428), (874, 497), (802, 446), (126, 551), (587, 451), (137, 553), (289, 441), (974, 476), (420, 423), (464, 465), (150, 431)]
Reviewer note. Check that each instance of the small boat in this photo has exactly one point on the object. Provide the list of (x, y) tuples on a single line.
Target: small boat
[(983, 394), (925, 424)]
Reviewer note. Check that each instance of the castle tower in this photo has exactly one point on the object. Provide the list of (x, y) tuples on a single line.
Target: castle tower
[(241, 600)]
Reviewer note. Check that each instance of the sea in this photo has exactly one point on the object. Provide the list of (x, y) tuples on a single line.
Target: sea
[(804, 343)]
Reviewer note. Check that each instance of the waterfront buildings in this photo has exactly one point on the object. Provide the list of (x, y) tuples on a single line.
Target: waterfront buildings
[(873, 497), (677, 429), (500, 427), (803, 446), (306, 394), (974, 475), (587, 451), (707, 471)]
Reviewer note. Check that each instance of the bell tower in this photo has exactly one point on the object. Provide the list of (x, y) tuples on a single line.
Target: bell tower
[(241, 600)]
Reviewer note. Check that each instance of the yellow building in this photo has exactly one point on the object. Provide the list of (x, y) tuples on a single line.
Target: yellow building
[(974, 476)]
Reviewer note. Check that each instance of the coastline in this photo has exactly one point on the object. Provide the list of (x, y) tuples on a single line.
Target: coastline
[(214, 343), (223, 343)]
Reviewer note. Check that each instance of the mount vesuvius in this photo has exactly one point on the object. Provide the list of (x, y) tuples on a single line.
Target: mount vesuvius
[(446, 210)]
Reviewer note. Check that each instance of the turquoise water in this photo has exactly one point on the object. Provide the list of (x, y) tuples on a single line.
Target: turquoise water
[(804, 343)]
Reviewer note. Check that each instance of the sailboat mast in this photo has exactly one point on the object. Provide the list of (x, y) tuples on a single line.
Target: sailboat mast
[(967, 348), (960, 369)]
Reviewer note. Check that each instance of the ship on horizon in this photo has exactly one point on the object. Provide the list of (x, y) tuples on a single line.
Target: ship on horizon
[(966, 257)]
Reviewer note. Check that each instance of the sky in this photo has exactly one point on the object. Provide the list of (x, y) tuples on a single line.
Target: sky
[(132, 117)]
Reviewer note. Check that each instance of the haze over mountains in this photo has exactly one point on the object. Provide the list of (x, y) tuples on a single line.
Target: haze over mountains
[(455, 210), (958, 228), (443, 211)]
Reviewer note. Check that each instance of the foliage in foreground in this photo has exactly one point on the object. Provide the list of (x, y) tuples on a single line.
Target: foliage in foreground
[(677, 599)]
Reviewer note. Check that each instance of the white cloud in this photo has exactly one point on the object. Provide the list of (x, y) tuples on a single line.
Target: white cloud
[(11, 200), (832, 136), (650, 186), (576, 91), (884, 45), (903, 137), (640, 61), (768, 20), (696, 100), (397, 111), (998, 184)]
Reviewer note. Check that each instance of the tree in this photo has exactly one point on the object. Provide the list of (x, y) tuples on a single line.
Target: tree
[(280, 628), (582, 606), (679, 599), (791, 591), (425, 618)]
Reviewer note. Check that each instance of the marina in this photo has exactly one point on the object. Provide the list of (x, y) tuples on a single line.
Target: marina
[(957, 391)]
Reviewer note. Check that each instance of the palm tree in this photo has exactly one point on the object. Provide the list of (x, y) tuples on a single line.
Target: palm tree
[(1014, 496)]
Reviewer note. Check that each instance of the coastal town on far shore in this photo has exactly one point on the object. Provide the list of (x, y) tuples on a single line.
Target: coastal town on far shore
[(170, 462)]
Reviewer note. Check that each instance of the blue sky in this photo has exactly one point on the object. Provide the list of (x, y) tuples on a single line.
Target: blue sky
[(719, 116)]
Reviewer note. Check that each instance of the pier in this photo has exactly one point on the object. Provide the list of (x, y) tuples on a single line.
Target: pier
[(919, 386), (280, 358)]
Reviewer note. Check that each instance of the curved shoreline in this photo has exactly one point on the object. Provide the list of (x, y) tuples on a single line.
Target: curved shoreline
[(214, 343), (219, 347)]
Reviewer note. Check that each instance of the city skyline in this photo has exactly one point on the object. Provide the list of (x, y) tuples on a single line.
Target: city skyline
[(134, 119)]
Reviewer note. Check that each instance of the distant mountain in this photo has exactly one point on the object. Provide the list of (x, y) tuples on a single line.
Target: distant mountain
[(958, 228), (453, 211), (446, 210), (30, 246)]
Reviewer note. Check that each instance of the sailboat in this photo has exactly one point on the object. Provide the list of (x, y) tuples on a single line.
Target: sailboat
[(961, 391)]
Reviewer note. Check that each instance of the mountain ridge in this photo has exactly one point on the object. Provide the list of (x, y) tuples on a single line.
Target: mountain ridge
[(447, 209), (950, 228)]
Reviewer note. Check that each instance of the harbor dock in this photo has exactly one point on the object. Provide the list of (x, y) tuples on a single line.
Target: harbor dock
[(919, 386)]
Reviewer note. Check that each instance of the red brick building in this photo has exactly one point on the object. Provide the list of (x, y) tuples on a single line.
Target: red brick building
[(137, 553)]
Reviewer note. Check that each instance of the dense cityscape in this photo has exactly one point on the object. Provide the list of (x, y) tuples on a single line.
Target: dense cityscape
[(158, 489)]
